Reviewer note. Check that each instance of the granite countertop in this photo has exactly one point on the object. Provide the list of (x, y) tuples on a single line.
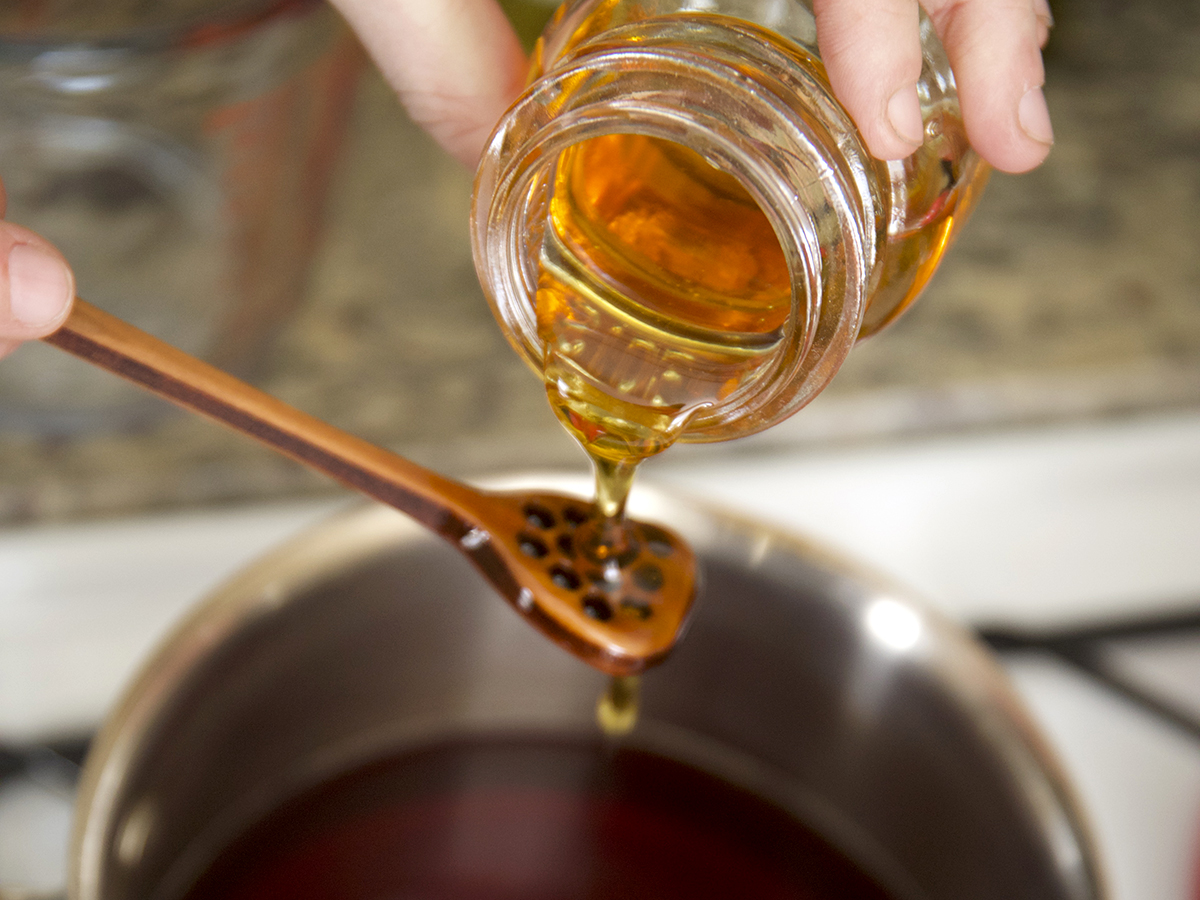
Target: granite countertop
[(1074, 293)]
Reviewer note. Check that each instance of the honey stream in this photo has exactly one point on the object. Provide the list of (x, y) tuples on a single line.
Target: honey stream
[(663, 291)]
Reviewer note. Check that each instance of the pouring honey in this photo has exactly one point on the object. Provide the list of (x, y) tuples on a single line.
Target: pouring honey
[(681, 231)]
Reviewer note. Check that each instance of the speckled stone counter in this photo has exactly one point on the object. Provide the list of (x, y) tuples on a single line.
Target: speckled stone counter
[(1074, 293)]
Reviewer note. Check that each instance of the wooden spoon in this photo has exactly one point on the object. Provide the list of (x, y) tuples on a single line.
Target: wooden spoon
[(619, 608)]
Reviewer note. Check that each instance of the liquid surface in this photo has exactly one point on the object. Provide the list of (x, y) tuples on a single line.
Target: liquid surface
[(527, 820), (662, 290)]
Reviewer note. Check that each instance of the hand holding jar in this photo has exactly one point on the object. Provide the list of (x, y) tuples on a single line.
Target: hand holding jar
[(457, 66)]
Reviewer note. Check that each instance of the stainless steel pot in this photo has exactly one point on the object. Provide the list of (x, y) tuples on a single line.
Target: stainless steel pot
[(802, 677)]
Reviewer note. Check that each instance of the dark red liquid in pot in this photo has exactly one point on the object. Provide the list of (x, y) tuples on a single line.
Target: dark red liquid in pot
[(528, 820)]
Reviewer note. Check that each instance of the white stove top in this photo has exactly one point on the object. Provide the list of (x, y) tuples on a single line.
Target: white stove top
[(1046, 531)]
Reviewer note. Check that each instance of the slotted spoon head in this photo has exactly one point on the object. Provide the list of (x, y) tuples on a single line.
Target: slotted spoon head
[(618, 606)]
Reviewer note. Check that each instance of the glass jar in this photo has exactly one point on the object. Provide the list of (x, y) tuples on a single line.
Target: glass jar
[(178, 153), (680, 228)]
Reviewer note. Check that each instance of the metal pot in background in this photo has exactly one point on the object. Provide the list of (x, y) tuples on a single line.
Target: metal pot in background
[(802, 678)]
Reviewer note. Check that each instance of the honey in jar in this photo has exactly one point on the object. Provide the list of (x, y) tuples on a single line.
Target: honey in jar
[(680, 229)]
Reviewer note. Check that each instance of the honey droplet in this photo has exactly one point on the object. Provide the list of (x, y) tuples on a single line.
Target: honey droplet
[(617, 709)]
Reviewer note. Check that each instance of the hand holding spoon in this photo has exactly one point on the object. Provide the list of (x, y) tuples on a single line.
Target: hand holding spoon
[(619, 608)]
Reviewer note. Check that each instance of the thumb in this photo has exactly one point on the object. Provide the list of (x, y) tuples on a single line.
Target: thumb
[(37, 287), (872, 52)]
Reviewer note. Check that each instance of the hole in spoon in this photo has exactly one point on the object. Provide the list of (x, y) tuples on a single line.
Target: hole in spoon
[(597, 607), (575, 515), (649, 577), (658, 541), (565, 577), (531, 546), (539, 516)]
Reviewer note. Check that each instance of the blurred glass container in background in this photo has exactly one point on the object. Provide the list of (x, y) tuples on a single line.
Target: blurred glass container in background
[(178, 152)]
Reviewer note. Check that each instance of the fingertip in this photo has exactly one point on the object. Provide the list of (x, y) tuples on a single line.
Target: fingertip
[(1017, 138), (39, 284), (1025, 157), (896, 130), (872, 53), (994, 51)]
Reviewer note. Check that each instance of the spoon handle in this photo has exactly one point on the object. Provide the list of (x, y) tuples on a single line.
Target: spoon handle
[(110, 343)]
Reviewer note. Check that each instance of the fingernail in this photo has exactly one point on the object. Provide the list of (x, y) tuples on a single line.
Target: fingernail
[(1034, 116), (904, 114), (39, 285)]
